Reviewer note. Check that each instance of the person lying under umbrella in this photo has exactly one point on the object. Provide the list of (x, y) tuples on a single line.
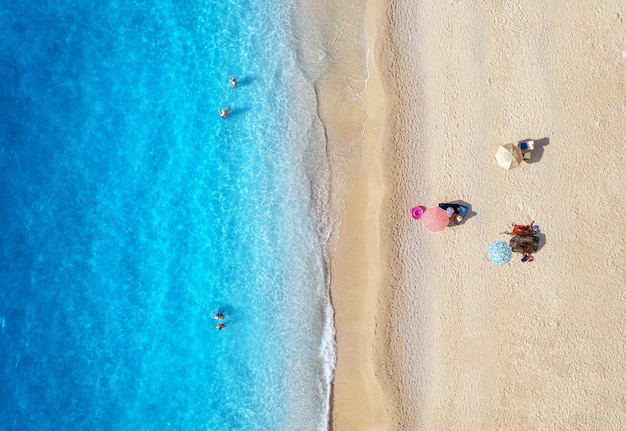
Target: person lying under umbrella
[(455, 212)]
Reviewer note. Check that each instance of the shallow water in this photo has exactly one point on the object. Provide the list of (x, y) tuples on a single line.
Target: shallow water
[(132, 212)]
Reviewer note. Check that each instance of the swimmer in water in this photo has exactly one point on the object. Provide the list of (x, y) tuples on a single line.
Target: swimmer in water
[(224, 112), (233, 81)]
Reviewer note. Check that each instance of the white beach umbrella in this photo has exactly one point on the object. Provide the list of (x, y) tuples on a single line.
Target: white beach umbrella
[(509, 156)]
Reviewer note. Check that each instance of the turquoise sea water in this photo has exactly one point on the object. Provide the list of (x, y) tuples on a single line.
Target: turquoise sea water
[(131, 213)]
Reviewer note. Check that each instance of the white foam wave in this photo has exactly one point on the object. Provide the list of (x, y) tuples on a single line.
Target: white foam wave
[(328, 75)]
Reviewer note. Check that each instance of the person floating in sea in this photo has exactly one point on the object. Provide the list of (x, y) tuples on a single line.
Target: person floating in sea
[(233, 81), (219, 316), (224, 112)]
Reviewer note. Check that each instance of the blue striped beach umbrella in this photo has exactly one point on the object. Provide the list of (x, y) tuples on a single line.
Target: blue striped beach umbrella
[(500, 252)]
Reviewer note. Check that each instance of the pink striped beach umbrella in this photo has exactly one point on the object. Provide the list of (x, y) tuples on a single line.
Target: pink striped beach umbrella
[(435, 219)]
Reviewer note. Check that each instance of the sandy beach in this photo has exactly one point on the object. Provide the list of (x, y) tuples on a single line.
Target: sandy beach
[(431, 335)]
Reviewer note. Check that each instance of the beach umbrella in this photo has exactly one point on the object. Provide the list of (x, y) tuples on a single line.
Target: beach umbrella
[(500, 252), (509, 156), (435, 219)]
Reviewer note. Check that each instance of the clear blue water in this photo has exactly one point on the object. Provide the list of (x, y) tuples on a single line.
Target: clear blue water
[(131, 212)]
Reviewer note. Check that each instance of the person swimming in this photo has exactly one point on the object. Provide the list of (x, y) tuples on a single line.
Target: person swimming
[(224, 112), (219, 316), (233, 81)]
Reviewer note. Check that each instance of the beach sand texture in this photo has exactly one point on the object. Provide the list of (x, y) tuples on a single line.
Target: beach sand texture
[(430, 334)]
